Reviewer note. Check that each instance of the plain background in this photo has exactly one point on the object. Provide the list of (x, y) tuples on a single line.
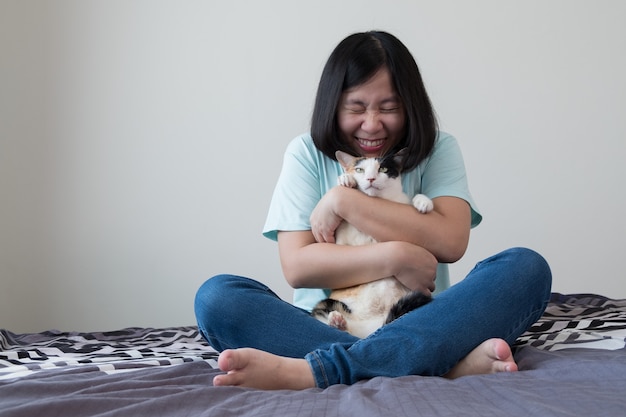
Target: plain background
[(140, 141)]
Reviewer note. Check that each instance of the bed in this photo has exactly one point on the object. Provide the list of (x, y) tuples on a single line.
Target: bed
[(572, 362)]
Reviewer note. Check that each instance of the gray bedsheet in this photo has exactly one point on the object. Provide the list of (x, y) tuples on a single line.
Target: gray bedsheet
[(562, 383), (561, 375)]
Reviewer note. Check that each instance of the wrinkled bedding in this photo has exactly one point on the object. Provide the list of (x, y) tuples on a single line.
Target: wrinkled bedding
[(572, 362)]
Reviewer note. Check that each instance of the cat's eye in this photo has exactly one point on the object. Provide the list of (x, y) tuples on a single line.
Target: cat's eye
[(382, 169), (359, 170)]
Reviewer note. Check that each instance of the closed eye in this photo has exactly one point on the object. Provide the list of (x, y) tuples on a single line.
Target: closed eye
[(355, 107)]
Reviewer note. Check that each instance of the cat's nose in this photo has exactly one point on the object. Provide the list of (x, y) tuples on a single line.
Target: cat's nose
[(371, 180)]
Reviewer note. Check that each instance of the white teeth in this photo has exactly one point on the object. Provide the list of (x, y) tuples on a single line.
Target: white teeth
[(371, 143)]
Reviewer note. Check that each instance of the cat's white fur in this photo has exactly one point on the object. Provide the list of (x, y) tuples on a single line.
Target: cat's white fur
[(369, 303)]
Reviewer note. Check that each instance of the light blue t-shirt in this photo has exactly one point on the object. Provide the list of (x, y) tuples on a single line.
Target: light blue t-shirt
[(307, 174)]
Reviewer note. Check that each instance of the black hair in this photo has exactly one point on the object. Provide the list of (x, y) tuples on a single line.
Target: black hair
[(354, 61)]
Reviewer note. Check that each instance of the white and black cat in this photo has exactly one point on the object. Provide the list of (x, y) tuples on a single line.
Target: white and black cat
[(362, 309)]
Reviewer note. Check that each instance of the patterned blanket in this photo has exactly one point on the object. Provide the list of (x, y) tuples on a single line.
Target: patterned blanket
[(579, 321), (118, 351), (570, 321)]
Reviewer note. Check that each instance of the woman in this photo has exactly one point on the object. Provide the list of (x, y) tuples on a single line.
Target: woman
[(371, 101)]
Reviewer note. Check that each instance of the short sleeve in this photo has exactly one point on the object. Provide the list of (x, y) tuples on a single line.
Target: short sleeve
[(305, 177), (443, 174)]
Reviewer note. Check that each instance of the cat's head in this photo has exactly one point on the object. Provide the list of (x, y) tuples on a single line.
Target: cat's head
[(373, 176)]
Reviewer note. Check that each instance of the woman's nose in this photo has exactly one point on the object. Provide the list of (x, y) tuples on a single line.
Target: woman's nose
[(371, 123)]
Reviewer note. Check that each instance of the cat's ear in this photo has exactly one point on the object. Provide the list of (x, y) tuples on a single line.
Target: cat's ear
[(399, 156), (402, 152), (345, 159)]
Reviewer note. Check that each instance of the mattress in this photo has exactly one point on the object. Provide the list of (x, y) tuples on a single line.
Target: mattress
[(572, 362)]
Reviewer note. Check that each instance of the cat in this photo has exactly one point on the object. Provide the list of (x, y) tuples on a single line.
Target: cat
[(362, 309)]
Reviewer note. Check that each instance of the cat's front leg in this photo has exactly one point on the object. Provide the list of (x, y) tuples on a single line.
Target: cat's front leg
[(422, 203), (347, 180)]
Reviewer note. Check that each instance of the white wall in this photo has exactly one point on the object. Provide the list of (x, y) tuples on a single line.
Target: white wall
[(140, 140)]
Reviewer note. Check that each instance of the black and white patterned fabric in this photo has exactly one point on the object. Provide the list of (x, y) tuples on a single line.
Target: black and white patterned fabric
[(586, 321), (570, 321), (118, 351)]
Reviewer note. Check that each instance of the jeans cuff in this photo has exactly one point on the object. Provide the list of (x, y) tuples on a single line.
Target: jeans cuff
[(319, 372)]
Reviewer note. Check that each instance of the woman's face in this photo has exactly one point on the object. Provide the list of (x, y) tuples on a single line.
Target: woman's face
[(371, 116)]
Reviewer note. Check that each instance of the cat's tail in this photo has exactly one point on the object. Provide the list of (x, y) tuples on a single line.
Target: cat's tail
[(409, 302)]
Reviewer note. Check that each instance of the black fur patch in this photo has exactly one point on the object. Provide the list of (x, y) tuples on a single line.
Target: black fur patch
[(409, 302), (324, 307), (391, 163)]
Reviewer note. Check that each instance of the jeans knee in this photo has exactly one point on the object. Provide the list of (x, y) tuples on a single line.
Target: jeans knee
[(211, 299), (210, 291), (533, 267), (225, 299)]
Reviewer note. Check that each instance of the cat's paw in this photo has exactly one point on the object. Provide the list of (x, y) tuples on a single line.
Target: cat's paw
[(346, 180), (335, 319), (422, 203)]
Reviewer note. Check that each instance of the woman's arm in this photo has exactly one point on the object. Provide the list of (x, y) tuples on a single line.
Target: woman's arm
[(444, 232), (309, 264)]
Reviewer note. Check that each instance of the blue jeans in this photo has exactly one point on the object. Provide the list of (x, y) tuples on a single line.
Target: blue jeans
[(501, 297)]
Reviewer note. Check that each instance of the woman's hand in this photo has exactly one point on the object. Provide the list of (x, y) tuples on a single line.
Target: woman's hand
[(413, 266), (324, 218)]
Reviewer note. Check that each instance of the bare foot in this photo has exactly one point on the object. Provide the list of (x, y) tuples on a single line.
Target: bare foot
[(491, 356), (258, 369)]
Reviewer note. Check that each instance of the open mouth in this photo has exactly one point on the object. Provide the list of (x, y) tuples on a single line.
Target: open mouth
[(370, 143)]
